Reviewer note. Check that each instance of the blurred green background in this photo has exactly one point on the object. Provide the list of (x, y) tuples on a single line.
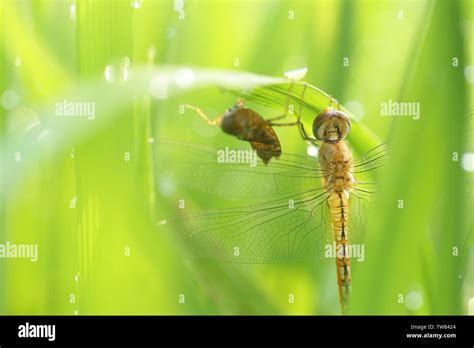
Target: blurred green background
[(85, 190)]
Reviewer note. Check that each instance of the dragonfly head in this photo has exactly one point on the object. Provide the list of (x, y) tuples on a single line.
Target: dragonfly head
[(331, 125)]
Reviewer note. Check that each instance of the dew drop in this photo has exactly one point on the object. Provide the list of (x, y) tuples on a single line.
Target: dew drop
[(296, 74), (469, 73), (72, 11), (167, 186), (356, 108), (125, 67), (159, 87), (468, 161), (178, 5), (312, 151), (125, 74), (184, 78), (470, 305), (10, 99), (109, 76), (413, 300)]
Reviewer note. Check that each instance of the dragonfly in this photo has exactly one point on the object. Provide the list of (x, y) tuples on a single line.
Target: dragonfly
[(290, 205)]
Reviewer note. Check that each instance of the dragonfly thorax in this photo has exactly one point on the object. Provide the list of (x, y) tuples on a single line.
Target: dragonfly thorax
[(336, 162)]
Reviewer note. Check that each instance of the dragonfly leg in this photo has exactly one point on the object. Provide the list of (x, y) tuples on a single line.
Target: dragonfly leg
[(298, 122), (270, 120), (201, 113), (301, 128), (287, 107), (283, 124)]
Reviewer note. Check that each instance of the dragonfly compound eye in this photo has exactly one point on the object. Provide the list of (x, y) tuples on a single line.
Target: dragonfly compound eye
[(331, 125)]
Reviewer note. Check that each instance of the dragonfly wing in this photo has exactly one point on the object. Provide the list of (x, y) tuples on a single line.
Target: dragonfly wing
[(292, 223), (198, 167), (271, 232), (365, 188)]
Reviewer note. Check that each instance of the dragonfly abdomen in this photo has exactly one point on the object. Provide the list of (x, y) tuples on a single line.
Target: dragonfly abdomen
[(339, 207), (336, 162)]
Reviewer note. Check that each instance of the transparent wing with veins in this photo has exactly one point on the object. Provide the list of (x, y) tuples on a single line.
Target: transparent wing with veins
[(286, 217)]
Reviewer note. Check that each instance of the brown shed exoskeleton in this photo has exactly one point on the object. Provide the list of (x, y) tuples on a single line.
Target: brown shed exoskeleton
[(247, 125)]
